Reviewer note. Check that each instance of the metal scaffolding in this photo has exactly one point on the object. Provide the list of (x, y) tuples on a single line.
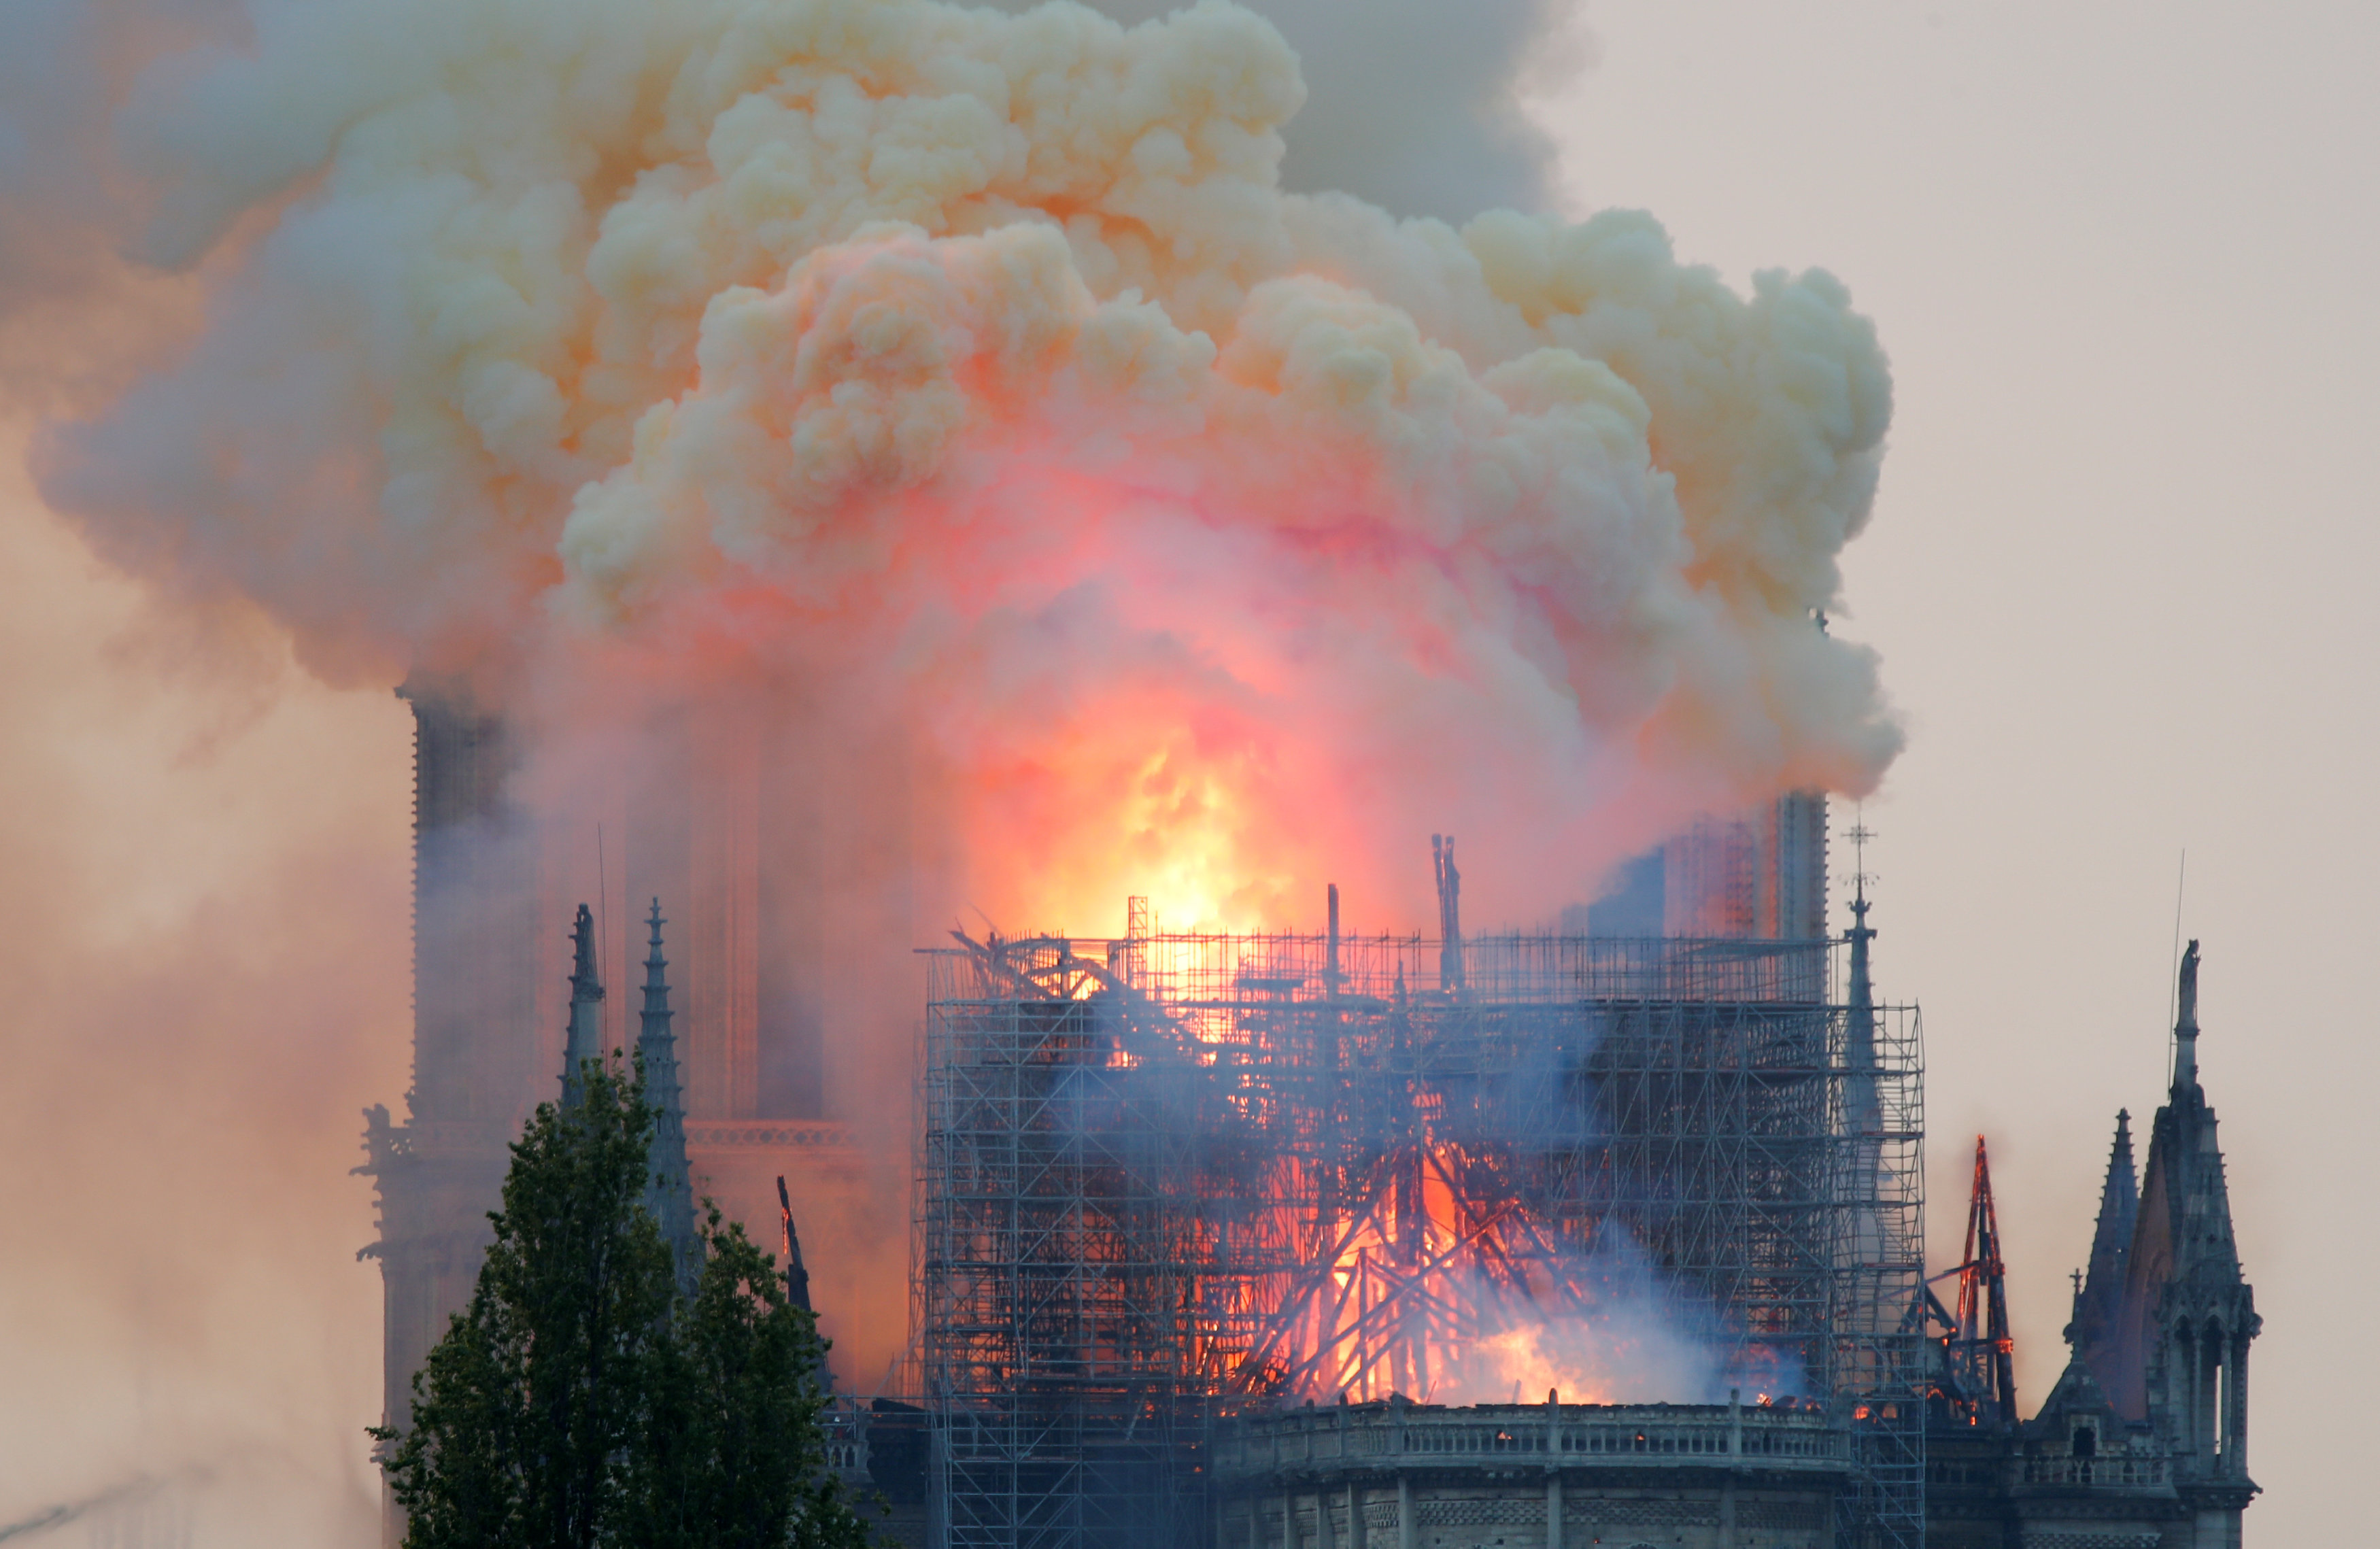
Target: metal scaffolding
[(1165, 1177)]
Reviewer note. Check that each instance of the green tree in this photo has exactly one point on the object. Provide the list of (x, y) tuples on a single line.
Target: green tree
[(580, 1401), (732, 1451)]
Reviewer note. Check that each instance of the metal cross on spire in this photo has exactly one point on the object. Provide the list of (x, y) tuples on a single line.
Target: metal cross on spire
[(1859, 835)]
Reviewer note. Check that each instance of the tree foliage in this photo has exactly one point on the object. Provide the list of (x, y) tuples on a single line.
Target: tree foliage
[(732, 1450), (580, 1402)]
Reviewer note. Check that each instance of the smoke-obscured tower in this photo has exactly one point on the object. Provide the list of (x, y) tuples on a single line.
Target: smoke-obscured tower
[(439, 1171), (1758, 876), (499, 933)]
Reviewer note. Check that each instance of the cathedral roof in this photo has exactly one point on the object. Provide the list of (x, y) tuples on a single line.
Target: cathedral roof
[(2078, 1393)]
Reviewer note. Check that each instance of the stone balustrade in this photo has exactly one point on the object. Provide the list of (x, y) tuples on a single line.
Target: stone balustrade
[(2114, 1471), (1516, 1476), (1396, 1437)]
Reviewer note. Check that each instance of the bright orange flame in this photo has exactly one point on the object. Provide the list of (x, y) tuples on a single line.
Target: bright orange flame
[(1432, 1295)]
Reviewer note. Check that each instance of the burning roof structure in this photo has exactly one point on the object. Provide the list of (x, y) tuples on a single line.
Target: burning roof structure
[(1167, 1177)]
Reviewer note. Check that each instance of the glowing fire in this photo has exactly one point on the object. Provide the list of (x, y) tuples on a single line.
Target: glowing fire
[(1354, 1250), (1431, 1293)]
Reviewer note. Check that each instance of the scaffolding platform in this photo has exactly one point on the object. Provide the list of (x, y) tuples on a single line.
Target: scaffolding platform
[(1164, 1180)]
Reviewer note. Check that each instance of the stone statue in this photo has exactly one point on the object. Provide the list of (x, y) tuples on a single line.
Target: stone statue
[(2189, 987)]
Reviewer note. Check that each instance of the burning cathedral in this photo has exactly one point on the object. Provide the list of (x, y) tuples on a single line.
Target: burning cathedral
[(1352, 1240), (850, 469)]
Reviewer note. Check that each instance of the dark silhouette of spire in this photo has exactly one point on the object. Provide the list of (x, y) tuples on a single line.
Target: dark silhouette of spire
[(1450, 912), (670, 1192), (584, 1040), (2099, 1302), (2166, 1317), (2189, 1313), (1863, 1106), (1863, 1112), (1862, 993), (798, 1275)]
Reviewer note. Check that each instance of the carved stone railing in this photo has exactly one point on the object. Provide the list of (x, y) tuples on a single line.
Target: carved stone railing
[(801, 1134), (1389, 1438), (432, 1140), (2114, 1472)]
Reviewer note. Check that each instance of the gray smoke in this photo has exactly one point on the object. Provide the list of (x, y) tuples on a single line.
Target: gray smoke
[(81, 311), (1413, 105)]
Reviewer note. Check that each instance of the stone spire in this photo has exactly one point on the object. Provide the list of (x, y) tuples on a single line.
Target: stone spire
[(585, 1038), (670, 1192), (2099, 1303), (1450, 912), (1863, 1112), (2189, 1312), (798, 1275)]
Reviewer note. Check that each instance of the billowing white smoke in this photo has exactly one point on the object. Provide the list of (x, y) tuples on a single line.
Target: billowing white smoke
[(960, 395), (1200, 539), (1415, 106), (1631, 1339)]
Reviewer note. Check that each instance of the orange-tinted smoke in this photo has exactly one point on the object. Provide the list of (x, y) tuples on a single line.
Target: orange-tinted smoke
[(1205, 541)]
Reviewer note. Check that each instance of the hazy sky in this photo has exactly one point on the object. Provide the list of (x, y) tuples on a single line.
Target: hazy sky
[(2121, 575), (203, 927), (2118, 255)]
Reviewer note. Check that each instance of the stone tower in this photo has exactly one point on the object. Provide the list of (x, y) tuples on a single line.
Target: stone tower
[(497, 923), (2143, 1444), (1760, 875), (2175, 1352), (475, 1067), (2151, 1416)]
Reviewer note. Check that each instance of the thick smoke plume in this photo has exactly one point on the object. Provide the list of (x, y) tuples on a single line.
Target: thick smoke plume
[(1415, 106), (992, 413), (1196, 539)]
